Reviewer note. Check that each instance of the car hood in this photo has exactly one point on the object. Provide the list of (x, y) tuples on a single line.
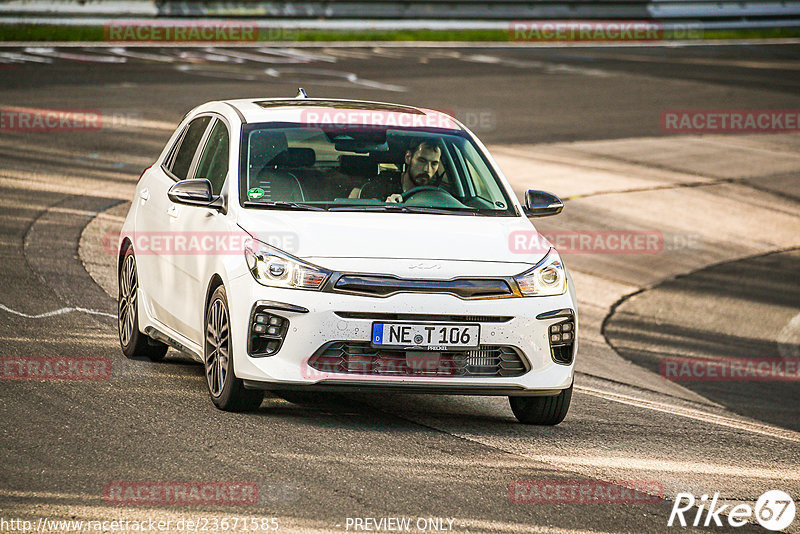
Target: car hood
[(387, 236)]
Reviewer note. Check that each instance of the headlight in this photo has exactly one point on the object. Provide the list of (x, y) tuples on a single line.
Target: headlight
[(548, 278), (272, 267)]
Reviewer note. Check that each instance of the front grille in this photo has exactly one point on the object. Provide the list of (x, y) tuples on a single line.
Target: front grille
[(384, 286), (359, 357)]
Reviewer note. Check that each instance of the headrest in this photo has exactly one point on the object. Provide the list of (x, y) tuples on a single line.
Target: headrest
[(295, 157), (358, 166), (264, 146)]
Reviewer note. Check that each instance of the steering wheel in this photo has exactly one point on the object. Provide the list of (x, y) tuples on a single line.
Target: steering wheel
[(414, 190), (426, 195)]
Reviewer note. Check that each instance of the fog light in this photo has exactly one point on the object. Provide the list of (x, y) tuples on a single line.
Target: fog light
[(562, 338), (267, 332)]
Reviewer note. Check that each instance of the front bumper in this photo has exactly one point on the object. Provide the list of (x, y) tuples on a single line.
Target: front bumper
[(342, 317)]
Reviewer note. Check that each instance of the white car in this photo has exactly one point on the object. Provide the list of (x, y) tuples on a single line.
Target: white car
[(337, 245)]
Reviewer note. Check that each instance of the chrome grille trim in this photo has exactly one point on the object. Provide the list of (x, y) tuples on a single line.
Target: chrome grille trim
[(424, 317)]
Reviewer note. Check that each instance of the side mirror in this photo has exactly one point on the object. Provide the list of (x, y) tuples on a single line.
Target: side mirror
[(195, 192), (542, 204)]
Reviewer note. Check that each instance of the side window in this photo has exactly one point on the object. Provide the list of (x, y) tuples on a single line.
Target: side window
[(213, 163), (175, 146), (185, 154)]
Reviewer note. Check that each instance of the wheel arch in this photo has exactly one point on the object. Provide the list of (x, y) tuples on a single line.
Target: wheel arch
[(123, 248), (213, 284)]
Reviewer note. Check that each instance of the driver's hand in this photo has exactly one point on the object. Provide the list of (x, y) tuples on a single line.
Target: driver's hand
[(394, 198)]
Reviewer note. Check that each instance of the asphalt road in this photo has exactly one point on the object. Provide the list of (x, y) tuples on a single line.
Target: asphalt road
[(420, 457)]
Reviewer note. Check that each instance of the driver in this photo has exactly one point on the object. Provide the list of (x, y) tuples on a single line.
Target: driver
[(422, 162)]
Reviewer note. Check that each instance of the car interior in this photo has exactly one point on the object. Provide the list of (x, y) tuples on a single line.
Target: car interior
[(349, 168)]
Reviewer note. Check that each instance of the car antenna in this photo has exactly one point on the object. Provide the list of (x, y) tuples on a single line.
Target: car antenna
[(301, 93)]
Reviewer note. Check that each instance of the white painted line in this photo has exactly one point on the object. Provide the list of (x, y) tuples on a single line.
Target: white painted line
[(549, 68), (91, 58), (21, 58), (298, 54), (60, 311), (698, 415), (121, 51)]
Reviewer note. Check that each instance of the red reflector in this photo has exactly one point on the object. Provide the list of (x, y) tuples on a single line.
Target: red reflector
[(144, 171)]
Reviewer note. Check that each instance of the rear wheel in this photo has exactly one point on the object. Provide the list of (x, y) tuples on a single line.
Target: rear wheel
[(542, 410), (135, 344), (227, 392)]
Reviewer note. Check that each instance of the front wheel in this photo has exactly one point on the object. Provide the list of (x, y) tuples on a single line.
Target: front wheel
[(542, 410), (227, 392), (135, 344)]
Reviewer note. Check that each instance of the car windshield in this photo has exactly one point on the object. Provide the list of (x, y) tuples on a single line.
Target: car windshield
[(380, 169)]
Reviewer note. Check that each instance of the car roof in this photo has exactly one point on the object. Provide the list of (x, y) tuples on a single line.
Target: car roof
[(340, 112)]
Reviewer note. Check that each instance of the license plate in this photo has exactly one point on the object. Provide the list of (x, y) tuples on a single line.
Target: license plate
[(428, 336)]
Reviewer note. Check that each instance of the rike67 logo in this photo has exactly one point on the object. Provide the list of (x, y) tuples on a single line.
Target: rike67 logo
[(774, 510)]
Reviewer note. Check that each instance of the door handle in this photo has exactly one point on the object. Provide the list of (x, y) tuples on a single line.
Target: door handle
[(144, 194), (173, 211)]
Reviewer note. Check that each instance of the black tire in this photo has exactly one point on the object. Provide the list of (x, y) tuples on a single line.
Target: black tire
[(227, 392), (541, 410), (135, 344)]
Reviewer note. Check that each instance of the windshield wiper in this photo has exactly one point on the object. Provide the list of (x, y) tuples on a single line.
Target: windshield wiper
[(398, 208), (282, 205), (370, 207), (441, 210)]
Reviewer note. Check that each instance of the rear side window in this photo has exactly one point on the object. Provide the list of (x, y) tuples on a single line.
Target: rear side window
[(185, 154), (213, 164)]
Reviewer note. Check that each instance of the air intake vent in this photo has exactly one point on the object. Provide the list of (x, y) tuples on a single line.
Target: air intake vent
[(359, 357)]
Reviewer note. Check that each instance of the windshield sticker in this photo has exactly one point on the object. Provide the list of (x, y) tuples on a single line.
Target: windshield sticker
[(255, 192)]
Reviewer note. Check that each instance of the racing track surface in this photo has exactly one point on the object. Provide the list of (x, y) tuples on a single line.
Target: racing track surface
[(580, 122)]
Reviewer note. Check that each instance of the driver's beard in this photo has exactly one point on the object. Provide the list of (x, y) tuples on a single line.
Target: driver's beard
[(421, 179)]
